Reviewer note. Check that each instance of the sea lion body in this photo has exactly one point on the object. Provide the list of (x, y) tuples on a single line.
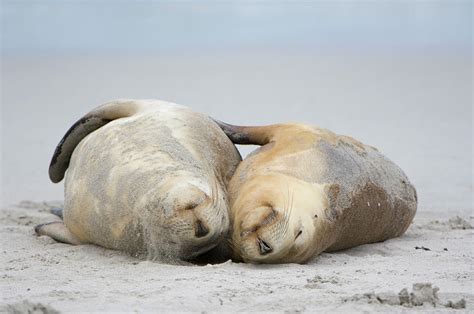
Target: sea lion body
[(308, 190), (152, 181)]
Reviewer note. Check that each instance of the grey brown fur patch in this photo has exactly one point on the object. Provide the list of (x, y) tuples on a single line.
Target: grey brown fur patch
[(332, 193)]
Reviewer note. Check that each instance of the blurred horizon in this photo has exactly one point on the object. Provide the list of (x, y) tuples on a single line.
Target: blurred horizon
[(393, 74), (51, 27)]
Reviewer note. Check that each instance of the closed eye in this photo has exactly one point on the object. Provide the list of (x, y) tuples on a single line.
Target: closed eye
[(299, 233)]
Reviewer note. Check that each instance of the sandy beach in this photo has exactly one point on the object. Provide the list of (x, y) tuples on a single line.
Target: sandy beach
[(436, 251), (408, 127), (394, 75), (41, 274)]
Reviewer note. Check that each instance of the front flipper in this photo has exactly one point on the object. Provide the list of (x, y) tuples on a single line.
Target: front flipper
[(57, 212), (58, 231)]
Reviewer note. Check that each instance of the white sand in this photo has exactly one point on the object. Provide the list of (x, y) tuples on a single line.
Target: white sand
[(367, 278), (398, 77), (415, 109)]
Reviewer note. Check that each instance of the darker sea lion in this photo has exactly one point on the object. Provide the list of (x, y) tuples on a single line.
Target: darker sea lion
[(308, 190)]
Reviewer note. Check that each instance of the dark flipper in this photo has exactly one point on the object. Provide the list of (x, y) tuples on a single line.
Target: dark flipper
[(57, 211), (84, 126), (248, 135), (58, 231)]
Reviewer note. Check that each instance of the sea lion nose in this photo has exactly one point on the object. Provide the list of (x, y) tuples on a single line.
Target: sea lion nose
[(264, 247), (200, 230)]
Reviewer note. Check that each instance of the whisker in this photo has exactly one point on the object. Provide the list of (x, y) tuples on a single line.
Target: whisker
[(290, 209), (217, 190), (214, 192), (279, 228), (284, 222)]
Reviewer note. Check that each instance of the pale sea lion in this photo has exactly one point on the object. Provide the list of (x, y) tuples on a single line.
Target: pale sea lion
[(146, 177), (308, 190)]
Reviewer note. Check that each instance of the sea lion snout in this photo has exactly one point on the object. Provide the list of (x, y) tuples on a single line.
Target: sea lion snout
[(264, 247), (206, 211), (200, 229), (202, 215), (254, 233)]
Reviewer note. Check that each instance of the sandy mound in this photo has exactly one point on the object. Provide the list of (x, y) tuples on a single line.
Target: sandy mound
[(423, 294), (30, 308)]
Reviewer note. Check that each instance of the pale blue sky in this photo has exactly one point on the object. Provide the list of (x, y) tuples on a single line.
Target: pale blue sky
[(130, 27)]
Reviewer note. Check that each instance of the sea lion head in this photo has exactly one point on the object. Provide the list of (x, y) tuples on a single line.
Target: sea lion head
[(189, 217), (278, 219)]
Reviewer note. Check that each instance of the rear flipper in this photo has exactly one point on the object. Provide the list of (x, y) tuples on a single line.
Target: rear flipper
[(92, 121), (58, 231), (254, 135)]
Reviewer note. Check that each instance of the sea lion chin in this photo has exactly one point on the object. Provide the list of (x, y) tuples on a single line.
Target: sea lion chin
[(146, 177), (308, 190)]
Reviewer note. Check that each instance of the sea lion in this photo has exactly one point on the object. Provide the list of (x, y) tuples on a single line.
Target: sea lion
[(309, 190), (146, 177)]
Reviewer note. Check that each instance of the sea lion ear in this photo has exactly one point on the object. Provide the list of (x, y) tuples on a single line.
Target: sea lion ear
[(247, 135), (92, 121)]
